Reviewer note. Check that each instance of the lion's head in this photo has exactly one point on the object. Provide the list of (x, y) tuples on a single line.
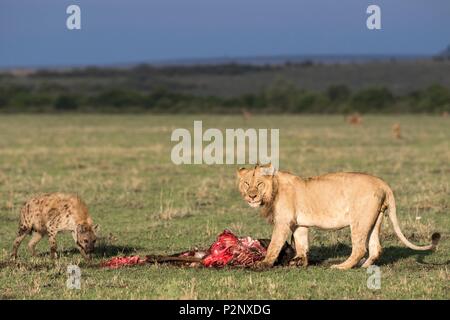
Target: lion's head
[(257, 185)]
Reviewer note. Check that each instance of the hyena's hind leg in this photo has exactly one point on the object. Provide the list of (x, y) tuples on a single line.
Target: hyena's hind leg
[(21, 234), (374, 242), (34, 240)]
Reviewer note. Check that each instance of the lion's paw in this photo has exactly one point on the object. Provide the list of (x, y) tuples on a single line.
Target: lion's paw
[(300, 261), (341, 266), (262, 265)]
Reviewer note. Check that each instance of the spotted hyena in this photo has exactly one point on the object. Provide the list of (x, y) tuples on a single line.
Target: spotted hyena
[(51, 213)]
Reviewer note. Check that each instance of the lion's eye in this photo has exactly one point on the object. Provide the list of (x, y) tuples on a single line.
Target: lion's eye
[(246, 185), (260, 185)]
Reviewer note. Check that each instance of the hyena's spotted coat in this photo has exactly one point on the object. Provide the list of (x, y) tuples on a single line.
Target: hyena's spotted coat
[(54, 212)]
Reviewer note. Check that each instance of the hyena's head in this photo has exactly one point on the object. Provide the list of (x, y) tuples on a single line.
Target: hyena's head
[(86, 237), (257, 185)]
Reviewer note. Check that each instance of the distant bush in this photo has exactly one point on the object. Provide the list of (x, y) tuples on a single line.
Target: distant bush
[(66, 103), (434, 98), (310, 102), (372, 100), (117, 98), (281, 97), (23, 101), (338, 93)]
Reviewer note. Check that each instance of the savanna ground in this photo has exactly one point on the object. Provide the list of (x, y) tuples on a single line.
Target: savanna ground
[(145, 204)]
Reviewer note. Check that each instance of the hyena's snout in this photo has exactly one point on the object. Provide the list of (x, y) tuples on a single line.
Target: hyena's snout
[(87, 246), (89, 249)]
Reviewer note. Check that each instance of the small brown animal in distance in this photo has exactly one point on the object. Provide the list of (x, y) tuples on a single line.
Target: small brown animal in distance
[(48, 214), (397, 131), (445, 114), (246, 114), (355, 119)]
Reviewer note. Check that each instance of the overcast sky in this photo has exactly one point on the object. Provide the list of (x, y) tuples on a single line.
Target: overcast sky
[(34, 33)]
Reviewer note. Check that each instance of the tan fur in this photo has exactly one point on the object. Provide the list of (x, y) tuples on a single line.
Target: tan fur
[(49, 214), (330, 201), (397, 131), (246, 114), (355, 119)]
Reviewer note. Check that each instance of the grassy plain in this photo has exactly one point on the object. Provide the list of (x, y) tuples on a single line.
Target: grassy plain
[(145, 204)]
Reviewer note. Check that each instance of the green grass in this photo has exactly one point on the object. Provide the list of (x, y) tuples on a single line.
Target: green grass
[(145, 204)]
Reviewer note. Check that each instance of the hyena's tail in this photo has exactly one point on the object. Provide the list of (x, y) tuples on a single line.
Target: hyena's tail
[(390, 202)]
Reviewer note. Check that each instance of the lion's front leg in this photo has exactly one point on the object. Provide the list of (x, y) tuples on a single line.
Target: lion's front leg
[(279, 236), (301, 239)]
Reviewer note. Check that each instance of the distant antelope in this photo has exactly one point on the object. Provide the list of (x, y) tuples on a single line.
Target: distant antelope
[(397, 131), (355, 119), (445, 114), (246, 114)]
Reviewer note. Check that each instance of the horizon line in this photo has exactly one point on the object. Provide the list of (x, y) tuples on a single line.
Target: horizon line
[(229, 59)]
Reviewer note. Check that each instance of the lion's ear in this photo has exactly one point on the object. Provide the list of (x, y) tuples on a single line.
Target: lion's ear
[(241, 172)]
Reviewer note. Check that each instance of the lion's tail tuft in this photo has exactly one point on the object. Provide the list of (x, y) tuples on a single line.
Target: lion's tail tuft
[(390, 201)]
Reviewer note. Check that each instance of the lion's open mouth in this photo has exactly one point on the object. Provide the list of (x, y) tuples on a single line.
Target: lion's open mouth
[(254, 204)]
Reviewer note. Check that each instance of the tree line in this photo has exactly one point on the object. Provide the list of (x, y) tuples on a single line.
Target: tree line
[(280, 97)]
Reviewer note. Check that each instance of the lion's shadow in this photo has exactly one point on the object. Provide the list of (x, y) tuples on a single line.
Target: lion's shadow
[(340, 252)]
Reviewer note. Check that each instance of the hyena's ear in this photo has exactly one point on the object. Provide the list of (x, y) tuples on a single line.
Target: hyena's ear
[(96, 228), (241, 172), (81, 228)]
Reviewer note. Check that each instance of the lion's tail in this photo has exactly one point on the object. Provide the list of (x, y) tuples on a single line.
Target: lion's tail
[(390, 202)]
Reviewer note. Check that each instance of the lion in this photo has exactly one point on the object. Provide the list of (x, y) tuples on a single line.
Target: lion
[(330, 201)]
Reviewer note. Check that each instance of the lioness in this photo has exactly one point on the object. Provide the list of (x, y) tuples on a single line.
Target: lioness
[(330, 201)]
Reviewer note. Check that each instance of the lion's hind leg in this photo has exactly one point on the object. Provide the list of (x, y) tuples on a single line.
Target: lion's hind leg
[(361, 227), (374, 242), (359, 249)]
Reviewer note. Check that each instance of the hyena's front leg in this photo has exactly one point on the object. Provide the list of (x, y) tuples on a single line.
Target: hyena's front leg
[(279, 236), (53, 245), (301, 239), (84, 254)]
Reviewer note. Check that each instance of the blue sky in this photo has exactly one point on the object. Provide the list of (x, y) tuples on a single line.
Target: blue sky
[(34, 33)]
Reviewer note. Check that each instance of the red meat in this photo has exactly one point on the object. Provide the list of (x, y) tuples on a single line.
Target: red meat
[(118, 262), (227, 250), (233, 251)]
